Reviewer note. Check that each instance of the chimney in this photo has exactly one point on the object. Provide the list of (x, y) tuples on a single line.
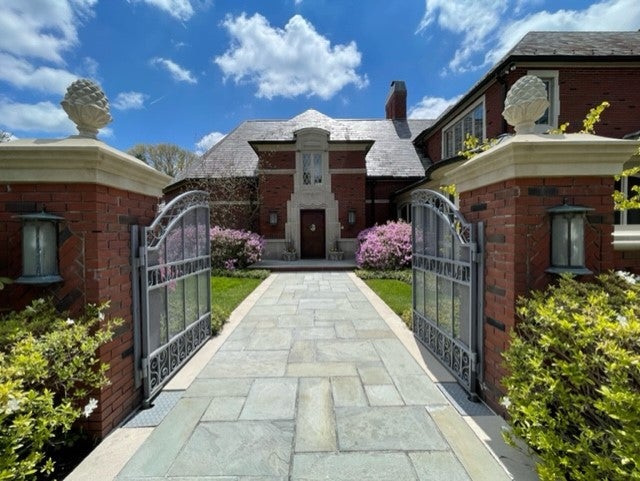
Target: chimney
[(396, 106)]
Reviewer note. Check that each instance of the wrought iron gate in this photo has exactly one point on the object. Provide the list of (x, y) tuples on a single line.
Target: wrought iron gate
[(172, 298), (447, 285)]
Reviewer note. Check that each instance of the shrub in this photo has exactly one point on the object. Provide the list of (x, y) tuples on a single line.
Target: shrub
[(404, 275), (234, 249), (48, 365), (385, 246), (573, 392)]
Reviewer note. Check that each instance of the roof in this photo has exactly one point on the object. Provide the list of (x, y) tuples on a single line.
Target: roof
[(558, 47), (392, 154), (581, 44)]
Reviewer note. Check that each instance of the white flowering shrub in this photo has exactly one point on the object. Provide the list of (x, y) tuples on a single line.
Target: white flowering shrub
[(573, 389), (48, 368)]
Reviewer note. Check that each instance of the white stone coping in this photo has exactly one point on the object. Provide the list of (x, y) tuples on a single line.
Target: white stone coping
[(626, 237), (77, 160), (543, 155)]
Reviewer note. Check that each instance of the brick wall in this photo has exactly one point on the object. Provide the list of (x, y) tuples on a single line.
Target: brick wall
[(379, 192), (517, 250), (580, 89), (94, 256), (274, 192)]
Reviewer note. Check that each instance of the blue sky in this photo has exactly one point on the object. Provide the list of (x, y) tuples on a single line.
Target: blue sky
[(189, 71)]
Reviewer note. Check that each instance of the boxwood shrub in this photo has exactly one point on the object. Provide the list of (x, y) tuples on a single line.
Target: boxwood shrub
[(573, 388)]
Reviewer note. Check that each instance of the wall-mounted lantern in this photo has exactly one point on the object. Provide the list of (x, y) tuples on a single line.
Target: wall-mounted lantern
[(39, 248), (273, 217), (351, 217), (567, 239)]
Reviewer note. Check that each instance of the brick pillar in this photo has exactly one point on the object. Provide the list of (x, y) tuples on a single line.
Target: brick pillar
[(509, 188), (100, 192)]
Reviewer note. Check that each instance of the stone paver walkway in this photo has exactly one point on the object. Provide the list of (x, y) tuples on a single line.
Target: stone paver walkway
[(312, 384)]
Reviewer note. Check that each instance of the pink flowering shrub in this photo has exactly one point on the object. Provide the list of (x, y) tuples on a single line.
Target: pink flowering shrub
[(385, 246), (234, 249)]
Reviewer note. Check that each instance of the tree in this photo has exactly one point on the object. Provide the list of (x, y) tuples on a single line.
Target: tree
[(167, 158)]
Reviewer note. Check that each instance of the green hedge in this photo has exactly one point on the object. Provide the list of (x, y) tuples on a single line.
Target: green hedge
[(573, 392), (48, 369)]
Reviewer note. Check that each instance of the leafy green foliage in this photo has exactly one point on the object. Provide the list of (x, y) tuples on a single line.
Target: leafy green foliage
[(631, 199), (573, 392), (168, 158), (242, 273), (48, 367), (472, 146), (593, 117), (403, 275)]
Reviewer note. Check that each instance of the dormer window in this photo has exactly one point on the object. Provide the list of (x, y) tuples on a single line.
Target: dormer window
[(312, 168)]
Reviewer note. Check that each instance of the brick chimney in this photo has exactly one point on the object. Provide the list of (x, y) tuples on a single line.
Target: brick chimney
[(396, 106)]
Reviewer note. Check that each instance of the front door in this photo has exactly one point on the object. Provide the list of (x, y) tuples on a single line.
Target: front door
[(312, 241)]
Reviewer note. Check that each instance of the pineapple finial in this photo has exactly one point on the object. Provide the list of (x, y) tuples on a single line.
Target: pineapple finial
[(87, 106)]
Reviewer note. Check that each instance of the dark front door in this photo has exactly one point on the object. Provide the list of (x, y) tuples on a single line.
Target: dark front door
[(312, 234)]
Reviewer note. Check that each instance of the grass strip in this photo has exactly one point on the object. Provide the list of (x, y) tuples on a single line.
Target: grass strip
[(226, 294)]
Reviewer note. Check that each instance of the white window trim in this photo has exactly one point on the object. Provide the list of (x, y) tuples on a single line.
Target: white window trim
[(459, 117), (554, 101), (626, 236)]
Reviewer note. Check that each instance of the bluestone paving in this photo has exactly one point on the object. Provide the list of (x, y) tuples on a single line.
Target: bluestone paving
[(312, 384)]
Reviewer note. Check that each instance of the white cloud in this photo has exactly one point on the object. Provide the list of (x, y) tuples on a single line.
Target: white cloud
[(177, 72), (129, 101), (23, 74), (464, 17), (208, 141), (288, 62), (41, 29), (609, 15), (41, 117), (431, 107), (495, 26), (180, 9)]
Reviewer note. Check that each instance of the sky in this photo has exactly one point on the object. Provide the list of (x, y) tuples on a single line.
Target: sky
[(187, 72)]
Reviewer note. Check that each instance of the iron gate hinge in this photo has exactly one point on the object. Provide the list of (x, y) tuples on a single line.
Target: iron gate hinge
[(144, 365), (474, 361)]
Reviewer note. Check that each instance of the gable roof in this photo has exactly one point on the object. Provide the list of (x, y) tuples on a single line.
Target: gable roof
[(392, 153), (555, 47)]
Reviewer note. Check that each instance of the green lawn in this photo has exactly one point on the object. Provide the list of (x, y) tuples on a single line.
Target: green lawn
[(396, 294), (226, 294)]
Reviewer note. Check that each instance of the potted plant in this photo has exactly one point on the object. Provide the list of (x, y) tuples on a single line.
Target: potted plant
[(335, 253), (289, 253)]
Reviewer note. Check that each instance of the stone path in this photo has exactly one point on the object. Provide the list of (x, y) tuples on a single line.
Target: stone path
[(312, 384)]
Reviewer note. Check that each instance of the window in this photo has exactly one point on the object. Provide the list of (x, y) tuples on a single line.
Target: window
[(470, 123), (626, 185), (549, 119), (312, 168)]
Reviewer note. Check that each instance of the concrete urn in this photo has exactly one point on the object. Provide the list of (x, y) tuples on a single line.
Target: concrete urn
[(525, 103), (87, 106)]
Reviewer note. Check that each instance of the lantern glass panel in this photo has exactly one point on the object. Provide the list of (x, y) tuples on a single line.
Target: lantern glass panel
[(577, 241), (559, 241), (39, 249)]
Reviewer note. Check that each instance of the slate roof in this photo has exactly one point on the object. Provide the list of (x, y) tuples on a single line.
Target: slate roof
[(584, 44), (392, 154)]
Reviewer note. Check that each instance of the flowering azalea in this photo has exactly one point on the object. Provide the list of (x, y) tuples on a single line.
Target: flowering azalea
[(386, 246)]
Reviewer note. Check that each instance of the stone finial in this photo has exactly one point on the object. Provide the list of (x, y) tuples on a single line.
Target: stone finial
[(525, 103), (87, 106)]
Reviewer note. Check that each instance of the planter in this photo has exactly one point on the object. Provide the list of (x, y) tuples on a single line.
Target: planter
[(289, 256), (336, 255)]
